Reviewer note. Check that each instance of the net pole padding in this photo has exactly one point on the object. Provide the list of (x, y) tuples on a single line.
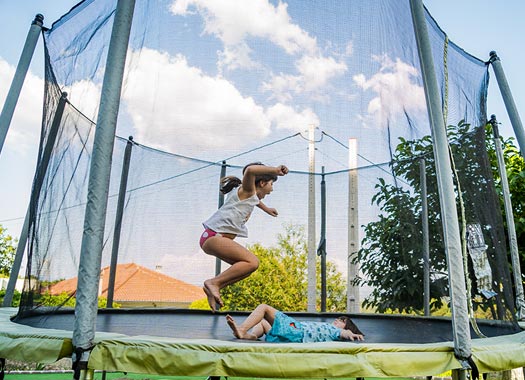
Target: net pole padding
[(118, 221), (221, 202), (312, 254), (511, 228), (20, 74), (426, 241), (38, 180), (451, 233), (98, 188), (353, 300), (506, 94), (321, 249)]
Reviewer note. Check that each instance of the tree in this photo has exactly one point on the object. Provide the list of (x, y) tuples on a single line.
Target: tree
[(391, 254), (515, 168), (281, 280), (7, 252)]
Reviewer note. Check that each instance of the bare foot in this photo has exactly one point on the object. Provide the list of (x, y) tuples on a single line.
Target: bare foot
[(214, 297), (236, 332)]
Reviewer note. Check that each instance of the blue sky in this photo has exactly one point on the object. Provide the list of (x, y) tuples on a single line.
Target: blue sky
[(478, 26)]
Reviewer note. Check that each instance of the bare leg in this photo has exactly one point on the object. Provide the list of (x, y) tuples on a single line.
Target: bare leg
[(242, 261), (261, 320), (261, 328), (238, 333)]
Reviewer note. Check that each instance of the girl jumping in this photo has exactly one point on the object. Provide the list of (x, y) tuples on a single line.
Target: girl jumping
[(229, 221)]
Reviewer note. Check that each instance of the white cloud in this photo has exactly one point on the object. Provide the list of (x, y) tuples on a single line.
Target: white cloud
[(315, 74), (395, 88), (285, 117), (349, 51), (85, 96), (233, 21), (167, 99), (24, 131)]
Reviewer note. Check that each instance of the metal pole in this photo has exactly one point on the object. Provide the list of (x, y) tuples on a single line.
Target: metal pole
[(506, 94), (321, 249), (20, 75), (98, 188), (449, 216), (511, 228), (38, 180), (221, 202), (118, 221), (426, 241), (352, 293), (312, 255)]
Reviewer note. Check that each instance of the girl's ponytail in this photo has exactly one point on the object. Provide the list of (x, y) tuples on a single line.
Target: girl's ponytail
[(229, 183)]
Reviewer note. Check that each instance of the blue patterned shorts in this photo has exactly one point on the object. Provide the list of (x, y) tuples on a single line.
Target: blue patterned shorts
[(285, 329)]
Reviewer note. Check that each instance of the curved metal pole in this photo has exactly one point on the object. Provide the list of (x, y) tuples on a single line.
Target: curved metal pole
[(511, 228), (512, 110), (425, 243), (221, 202), (20, 75), (118, 221), (451, 234), (40, 173), (321, 249), (98, 187)]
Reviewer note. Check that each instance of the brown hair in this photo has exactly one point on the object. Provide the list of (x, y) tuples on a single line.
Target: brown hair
[(350, 325), (231, 182)]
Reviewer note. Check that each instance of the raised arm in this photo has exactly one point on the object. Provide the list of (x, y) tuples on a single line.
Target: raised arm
[(248, 180), (269, 210)]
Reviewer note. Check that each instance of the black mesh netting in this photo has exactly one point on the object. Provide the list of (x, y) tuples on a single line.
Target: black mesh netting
[(206, 84)]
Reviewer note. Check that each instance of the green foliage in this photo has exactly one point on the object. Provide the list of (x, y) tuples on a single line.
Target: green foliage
[(515, 170), (7, 252), (391, 257), (281, 279), (16, 298)]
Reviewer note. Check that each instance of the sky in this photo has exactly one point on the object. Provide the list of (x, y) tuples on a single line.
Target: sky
[(478, 26)]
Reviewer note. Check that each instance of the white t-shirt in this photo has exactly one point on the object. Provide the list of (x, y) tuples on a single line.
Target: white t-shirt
[(233, 215)]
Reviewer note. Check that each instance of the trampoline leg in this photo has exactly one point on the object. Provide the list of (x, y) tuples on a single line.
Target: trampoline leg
[(87, 374)]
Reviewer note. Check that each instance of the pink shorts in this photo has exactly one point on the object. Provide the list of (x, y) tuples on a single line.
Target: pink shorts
[(206, 235)]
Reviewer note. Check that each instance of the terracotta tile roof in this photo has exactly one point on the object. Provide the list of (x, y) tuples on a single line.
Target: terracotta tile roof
[(137, 283)]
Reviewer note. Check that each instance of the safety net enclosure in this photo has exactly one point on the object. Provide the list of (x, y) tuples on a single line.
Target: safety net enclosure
[(333, 90)]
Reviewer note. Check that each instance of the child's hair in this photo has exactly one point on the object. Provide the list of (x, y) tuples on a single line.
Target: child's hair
[(231, 182), (350, 325)]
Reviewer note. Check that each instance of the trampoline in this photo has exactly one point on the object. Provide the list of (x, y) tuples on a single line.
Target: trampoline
[(166, 196), (199, 343)]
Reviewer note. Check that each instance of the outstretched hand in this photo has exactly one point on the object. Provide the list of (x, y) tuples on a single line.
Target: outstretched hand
[(282, 170), (271, 211), (349, 335)]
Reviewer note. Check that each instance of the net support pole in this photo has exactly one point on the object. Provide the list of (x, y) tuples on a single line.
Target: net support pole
[(98, 188), (511, 228), (321, 249), (40, 173), (118, 221), (353, 301), (426, 241), (449, 216), (20, 74), (221, 202), (312, 254), (506, 94)]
